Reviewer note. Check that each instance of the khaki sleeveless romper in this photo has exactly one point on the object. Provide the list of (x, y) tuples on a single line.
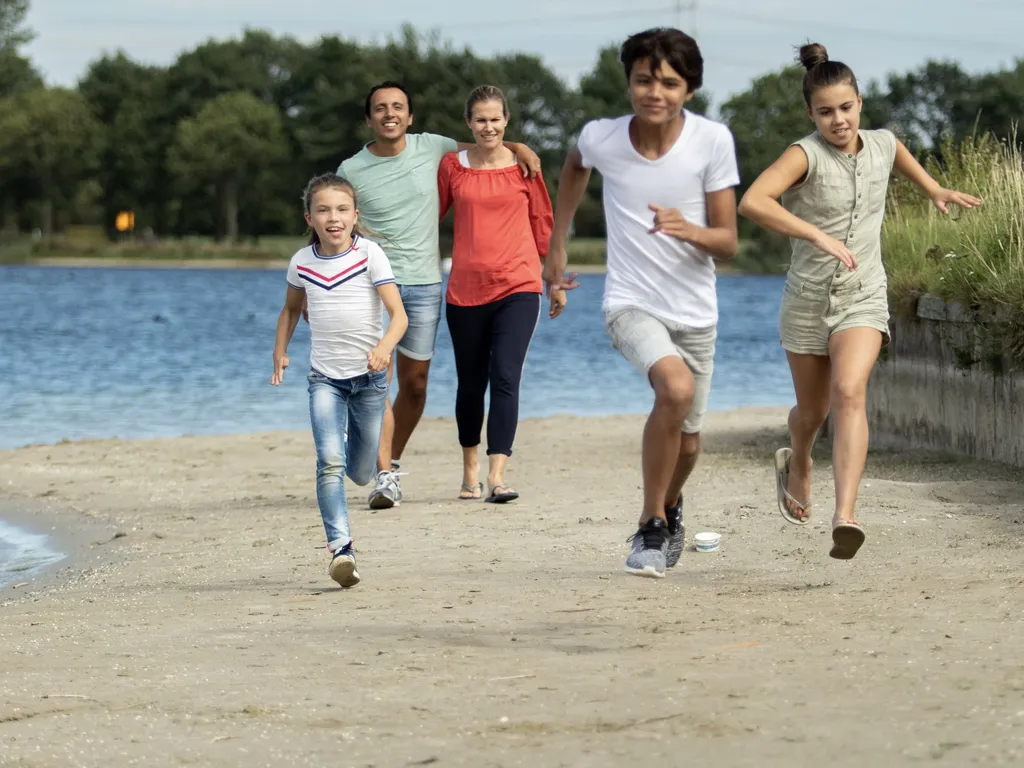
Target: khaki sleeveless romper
[(844, 196)]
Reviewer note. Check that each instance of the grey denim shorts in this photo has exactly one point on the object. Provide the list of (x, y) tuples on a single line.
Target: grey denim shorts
[(644, 339)]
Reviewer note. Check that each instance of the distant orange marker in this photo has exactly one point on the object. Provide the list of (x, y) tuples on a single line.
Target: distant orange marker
[(125, 221)]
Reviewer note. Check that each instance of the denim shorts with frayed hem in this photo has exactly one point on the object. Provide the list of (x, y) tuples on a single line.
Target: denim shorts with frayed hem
[(423, 308)]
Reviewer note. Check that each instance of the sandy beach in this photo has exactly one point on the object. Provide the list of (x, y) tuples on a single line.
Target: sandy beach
[(196, 624)]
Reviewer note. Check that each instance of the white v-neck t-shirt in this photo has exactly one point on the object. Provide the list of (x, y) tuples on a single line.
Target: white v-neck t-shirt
[(657, 273)]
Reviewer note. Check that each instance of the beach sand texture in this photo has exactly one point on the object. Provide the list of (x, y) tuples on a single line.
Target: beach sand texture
[(509, 636)]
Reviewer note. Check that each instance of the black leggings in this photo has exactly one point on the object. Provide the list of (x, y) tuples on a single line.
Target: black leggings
[(490, 343)]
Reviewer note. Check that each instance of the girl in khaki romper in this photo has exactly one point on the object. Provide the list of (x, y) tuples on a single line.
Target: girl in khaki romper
[(835, 314)]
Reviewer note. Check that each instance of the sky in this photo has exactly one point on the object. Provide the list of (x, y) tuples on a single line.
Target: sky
[(740, 39)]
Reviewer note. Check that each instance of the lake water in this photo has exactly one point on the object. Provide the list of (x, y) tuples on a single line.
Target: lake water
[(133, 353)]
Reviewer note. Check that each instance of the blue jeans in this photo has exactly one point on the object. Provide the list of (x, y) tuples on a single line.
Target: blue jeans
[(336, 407), (423, 308)]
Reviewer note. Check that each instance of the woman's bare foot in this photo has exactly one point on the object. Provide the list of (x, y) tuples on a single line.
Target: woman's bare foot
[(471, 487), (469, 492), (500, 487), (496, 476), (799, 487), (501, 494)]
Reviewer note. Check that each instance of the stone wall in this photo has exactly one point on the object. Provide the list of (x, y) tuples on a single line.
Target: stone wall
[(942, 384)]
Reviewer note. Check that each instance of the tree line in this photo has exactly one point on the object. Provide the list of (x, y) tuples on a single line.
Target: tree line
[(222, 141)]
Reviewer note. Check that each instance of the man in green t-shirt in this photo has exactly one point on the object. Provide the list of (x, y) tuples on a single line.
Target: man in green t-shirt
[(395, 178)]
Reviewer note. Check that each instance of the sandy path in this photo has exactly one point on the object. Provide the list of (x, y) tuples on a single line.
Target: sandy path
[(504, 637)]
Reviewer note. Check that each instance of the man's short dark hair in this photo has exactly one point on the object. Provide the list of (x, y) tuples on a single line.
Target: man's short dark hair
[(387, 84), (666, 44)]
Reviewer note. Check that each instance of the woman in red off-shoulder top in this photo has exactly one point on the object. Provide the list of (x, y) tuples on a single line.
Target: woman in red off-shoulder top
[(502, 226)]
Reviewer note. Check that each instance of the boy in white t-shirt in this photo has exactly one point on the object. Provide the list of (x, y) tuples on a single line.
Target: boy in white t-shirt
[(670, 211)]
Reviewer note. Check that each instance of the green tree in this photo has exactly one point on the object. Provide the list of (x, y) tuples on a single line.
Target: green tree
[(541, 106), (922, 105), (326, 109), (764, 120), (993, 104), (234, 146), (128, 98), (13, 32), (49, 143), (439, 76), (16, 72), (258, 63)]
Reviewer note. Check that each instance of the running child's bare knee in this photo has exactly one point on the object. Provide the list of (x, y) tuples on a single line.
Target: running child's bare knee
[(675, 393), (689, 445), (849, 393), (810, 417)]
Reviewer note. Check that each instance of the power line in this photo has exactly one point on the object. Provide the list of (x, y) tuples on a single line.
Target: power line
[(677, 9), (888, 34), (692, 8), (533, 22)]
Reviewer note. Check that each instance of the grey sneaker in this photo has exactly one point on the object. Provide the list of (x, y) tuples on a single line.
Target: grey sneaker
[(650, 544), (388, 491), (343, 566), (677, 533)]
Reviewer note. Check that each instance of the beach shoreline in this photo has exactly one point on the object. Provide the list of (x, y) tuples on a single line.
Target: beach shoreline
[(211, 634), (86, 262), (83, 540)]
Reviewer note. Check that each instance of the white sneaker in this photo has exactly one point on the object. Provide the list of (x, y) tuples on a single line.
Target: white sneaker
[(388, 491)]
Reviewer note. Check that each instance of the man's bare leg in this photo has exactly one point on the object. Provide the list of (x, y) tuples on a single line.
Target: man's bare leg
[(400, 421), (387, 431), (410, 402)]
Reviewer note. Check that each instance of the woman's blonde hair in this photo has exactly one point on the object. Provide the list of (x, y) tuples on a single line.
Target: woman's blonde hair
[(484, 93)]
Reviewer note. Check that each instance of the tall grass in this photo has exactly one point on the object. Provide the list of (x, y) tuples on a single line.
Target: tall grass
[(974, 257)]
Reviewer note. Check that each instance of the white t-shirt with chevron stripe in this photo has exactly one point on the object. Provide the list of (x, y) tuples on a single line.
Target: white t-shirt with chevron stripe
[(344, 306)]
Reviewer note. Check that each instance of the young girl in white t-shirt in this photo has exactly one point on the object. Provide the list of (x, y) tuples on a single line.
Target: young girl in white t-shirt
[(344, 278)]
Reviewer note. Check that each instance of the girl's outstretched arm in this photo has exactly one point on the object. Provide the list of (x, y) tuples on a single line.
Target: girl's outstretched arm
[(761, 205), (907, 164), (380, 356), (294, 302)]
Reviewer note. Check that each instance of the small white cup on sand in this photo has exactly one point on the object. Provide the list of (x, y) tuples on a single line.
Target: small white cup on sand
[(707, 542)]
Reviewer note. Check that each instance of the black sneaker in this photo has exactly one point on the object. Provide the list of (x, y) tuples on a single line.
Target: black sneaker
[(650, 543), (677, 533)]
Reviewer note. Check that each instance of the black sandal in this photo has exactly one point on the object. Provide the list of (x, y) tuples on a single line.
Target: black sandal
[(506, 495)]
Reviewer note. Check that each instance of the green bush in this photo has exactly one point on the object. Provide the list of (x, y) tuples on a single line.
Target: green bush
[(974, 257)]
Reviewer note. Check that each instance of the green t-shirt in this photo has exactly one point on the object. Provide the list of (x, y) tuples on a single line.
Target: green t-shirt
[(398, 201)]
